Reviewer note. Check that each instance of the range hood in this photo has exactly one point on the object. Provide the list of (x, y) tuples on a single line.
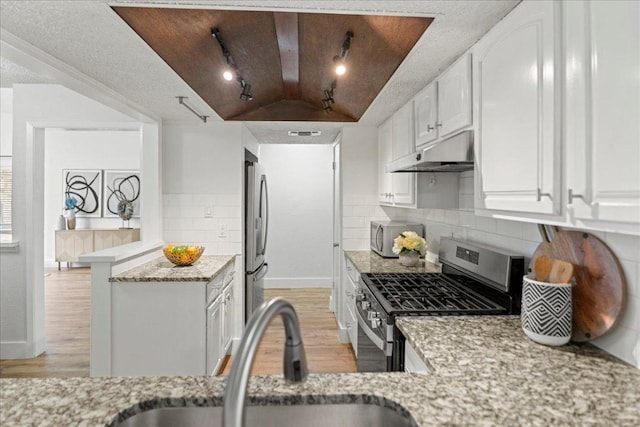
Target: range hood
[(453, 154)]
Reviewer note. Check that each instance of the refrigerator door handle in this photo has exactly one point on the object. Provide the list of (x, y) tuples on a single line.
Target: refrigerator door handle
[(262, 272), (264, 216)]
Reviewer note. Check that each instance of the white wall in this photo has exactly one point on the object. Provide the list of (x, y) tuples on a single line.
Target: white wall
[(300, 182), (623, 341), (21, 274), (83, 149), (359, 186), (202, 178), (6, 120)]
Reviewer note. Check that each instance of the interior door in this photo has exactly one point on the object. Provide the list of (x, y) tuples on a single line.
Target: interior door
[(337, 228)]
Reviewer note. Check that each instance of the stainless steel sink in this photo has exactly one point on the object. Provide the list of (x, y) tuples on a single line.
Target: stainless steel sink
[(343, 414)]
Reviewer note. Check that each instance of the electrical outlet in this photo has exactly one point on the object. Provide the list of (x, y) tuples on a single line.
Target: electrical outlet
[(208, 212), (222, 231)]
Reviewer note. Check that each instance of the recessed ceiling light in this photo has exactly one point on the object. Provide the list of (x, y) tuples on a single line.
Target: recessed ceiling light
[(341, 69), (227, 75), (304, 133)]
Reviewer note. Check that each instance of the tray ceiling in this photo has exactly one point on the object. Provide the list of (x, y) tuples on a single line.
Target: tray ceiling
[(269, 45)]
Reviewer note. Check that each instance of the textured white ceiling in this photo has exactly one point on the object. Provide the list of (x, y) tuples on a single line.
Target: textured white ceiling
[(89, 36), (12, 73)]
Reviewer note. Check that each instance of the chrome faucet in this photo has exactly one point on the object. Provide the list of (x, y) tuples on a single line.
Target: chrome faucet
[(295, 361)]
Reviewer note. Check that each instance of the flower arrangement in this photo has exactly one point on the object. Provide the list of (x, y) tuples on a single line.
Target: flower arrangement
[(408, 242), (70, 203)]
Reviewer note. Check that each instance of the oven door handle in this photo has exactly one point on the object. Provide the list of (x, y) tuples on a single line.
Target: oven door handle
[(377, 341)]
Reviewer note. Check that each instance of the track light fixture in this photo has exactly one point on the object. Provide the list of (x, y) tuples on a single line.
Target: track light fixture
[(340, 69), (232, 68)]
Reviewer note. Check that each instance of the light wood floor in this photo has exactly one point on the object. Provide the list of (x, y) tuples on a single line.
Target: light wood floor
[(67, 311)]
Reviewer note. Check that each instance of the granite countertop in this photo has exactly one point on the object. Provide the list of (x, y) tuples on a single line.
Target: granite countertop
[(371, 262), (536, 384), (162, 270), (485, 372)]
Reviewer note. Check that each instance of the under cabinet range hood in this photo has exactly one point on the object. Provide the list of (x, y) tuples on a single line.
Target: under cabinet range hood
[(453, 154)]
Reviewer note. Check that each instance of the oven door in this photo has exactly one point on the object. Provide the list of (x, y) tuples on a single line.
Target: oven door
[(372, 355)]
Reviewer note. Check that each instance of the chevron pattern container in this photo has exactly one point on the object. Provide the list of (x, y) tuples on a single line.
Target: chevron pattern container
[(546, 311)]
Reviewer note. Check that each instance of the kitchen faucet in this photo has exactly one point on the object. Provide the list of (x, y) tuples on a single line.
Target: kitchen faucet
[(295, 362)]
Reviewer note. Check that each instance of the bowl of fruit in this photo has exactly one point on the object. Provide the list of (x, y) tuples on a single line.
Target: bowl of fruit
[(182, 255)]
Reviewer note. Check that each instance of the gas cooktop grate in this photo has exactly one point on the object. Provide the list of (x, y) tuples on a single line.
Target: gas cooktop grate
[(428, 293)]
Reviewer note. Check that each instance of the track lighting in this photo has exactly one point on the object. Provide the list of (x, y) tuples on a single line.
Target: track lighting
[(340, 70), (232, 68)]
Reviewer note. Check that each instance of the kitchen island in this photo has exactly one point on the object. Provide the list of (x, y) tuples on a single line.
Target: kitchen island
[(484, 372)]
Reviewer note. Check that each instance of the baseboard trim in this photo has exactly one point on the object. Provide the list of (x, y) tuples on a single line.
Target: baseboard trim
[(298, 282), (343, 336)]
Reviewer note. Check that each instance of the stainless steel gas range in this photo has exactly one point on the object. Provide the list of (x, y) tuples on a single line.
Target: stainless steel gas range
[(475, 280)]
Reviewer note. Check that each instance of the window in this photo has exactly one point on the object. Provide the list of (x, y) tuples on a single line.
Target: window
[(5, 195)]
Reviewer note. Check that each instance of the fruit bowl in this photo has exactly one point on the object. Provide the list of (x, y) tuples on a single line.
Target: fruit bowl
[(182, 255)]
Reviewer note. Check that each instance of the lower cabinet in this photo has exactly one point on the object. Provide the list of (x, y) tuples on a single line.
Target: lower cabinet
[(215, 352), (350, 285), (413, 362), (172, 328)]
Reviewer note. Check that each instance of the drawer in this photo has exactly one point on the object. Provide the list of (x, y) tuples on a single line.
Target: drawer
[(352, 271)]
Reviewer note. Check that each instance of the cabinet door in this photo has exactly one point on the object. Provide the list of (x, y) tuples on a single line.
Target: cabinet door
[(384, 156), (214, 336), (426, 115), (227, 318), (454, 97), (603, 110), (403, 184), (517, 138), (71, 244)]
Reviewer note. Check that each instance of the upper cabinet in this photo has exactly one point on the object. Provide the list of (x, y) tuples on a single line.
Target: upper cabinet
[(444, 106), (385, 142), (602, 132), (403, 184), (517, 103)]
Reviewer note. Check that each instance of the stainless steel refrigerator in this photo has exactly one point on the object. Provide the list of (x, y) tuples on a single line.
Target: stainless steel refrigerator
[(256, 233)]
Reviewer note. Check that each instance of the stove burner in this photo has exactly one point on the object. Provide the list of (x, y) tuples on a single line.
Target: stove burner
[(429, 293)]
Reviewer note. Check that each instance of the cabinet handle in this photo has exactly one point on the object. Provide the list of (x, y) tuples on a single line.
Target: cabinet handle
[(438, 125), (349, 294), (539, 195), (574, 196), (430, 128)]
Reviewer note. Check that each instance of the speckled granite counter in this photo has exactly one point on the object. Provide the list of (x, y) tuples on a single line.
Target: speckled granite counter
[(370, 262), (571, 384), (161, 270)]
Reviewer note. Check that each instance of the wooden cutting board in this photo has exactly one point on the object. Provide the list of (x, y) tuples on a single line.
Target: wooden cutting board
[(599, 294)]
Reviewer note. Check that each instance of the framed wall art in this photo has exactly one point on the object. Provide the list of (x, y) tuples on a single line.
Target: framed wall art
[(121, 185), (82, 191)]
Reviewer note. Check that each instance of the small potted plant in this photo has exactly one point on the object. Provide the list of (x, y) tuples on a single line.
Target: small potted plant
[(409, 247)]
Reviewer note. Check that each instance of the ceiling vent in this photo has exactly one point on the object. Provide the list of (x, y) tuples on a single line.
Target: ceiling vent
[(304, 133)]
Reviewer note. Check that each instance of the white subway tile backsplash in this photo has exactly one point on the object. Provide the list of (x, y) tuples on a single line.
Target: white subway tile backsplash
[(171, 211), (624, 246), (172, 236), (629, 269), (509, 228), (531, 232), (355, 233), (229, 200), (356, 244), (191, 211), (466, 186), (234, 223), (221, 212), (205, 224), (191, 236), (229, 248), (235, 236), (631, 313), (621, 342), (452, 217), (363, 210), (477, 236), (487, 224), (347, 210), (235, 211), (353, 222), (467, 219)]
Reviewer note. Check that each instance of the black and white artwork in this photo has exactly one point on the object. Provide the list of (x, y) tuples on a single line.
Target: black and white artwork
[(121, 185), (82, 191)]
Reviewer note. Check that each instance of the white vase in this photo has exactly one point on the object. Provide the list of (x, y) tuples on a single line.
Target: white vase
[(409, 259), (61, 225)]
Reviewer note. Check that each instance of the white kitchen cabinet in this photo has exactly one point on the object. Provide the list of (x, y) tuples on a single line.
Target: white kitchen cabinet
[(426, 114), (385, 141), (444, 106), (395, 140), (454, 97), (215, 346), (517, 102), (403, 184), (350, 286), (413, 362), (602, 70), (228, 315)]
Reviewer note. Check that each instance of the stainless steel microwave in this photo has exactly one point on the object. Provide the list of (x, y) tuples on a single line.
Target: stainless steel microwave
[(383, 233)]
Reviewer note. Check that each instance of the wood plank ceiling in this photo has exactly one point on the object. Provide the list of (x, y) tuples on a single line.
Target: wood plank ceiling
[(287, 58)]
